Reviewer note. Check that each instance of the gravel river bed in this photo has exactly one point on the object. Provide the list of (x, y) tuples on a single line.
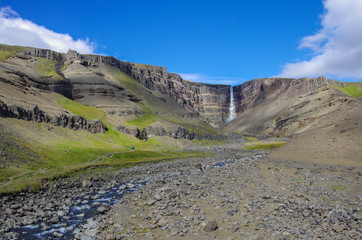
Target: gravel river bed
[(229, 194)]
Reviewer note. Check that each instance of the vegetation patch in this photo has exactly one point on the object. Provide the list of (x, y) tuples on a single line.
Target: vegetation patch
[(46, 68), (338, 187), (11, 48), (62, 152), (82, 110), (300, 179), (251, 139), (111, 135), (145, 119), (66, 155), (206, 142), (142, 230), (5, 55), (9, 51), (64, 67), (129, 82), (263, 145), (351, 90), (141, 156), (146, 66)]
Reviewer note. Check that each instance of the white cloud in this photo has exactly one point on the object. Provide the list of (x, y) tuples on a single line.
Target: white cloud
[(17, 31), (199, 77), (337, 47)]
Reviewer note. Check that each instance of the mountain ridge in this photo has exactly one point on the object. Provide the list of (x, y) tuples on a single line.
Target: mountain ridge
[(211, 101), (115, 105)]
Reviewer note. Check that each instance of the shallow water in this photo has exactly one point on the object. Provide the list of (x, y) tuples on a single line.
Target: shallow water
[(78, 214), (82, 211)]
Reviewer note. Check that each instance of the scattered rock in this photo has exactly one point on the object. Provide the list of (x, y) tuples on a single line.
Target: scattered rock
[(54, 220), (211, 226), (103, 208)]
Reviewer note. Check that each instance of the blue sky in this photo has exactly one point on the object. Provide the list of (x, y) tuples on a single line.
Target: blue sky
[(210, 41)]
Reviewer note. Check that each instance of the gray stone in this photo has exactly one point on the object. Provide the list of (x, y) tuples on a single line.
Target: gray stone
[(86, 184), (211, 226), (103, 208), (15, 206), (162, 222), (8, 211), (85, 237), (157, 196), (54, 220), (57, 234)]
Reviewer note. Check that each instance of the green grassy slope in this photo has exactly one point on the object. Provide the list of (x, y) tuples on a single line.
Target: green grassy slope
[(351, 89), (54, 151), (42, 151), (46, 68), (151, 104), (9, 51)]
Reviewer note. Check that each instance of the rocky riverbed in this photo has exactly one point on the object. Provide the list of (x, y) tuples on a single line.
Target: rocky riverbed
[(231, 194)]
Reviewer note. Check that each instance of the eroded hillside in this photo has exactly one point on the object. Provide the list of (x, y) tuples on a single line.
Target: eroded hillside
[(72, 111)]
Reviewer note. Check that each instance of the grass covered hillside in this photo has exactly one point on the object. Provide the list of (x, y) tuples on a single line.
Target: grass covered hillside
[(32, 151), (38, 85), (351, 89), (36, 151)]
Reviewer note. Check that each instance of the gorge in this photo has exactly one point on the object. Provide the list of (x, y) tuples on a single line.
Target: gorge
[(92, 147)]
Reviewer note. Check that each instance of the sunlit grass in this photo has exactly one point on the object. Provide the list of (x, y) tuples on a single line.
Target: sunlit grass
[(145, 119), (351, 90), (5, 55), (46, 68), (263, 145), (62, 151), (206, 142), (9, 51), (338, 187), (251, 139)]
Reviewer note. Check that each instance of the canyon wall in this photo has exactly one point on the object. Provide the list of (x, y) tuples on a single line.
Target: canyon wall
[(252, 93), (210, 101)]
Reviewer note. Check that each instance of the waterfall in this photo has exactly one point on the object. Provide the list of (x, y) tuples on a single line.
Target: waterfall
[(232, 112)]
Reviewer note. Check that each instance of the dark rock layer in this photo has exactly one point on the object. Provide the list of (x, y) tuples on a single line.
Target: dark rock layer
[(211, 102), (251, 93), (62, 120), (179, 133)]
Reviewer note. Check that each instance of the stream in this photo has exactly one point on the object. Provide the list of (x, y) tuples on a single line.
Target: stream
[(86, 210), (77, 215)]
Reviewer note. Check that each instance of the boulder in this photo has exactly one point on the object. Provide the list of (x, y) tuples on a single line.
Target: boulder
[(54, 220), (103, 208), (210, 226)]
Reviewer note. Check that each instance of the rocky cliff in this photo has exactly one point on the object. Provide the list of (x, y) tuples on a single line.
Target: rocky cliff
[(179, 133), (210, 101), (252, 93), (63, 120)]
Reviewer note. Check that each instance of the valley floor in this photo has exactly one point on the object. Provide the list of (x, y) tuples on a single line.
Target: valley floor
[(231, 194)]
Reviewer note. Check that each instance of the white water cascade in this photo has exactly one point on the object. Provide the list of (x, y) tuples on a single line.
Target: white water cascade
[(232, 112)]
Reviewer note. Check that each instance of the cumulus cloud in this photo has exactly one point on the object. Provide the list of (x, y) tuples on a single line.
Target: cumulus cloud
[(337, 47), (199, 77), (15, 30)]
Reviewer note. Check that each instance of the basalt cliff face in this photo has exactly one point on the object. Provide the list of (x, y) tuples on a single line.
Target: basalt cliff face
[(87, 79), (252, 93), (62, 120), (211, 102)]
